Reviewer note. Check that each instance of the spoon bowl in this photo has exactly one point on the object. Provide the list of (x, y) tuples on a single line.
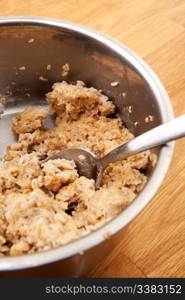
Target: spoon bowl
[(86, 162), (89, 165)]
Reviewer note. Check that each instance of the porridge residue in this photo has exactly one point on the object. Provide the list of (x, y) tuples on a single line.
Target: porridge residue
[(44, 205)]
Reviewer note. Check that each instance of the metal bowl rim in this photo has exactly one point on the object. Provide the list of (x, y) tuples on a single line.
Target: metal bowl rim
[(151, 187)]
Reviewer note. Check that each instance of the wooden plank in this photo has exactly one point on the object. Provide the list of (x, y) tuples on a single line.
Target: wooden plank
[(177, 15), (153, 244), (151, 35)]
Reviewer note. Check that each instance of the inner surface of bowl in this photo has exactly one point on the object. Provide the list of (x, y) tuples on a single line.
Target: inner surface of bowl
[(32, 59)]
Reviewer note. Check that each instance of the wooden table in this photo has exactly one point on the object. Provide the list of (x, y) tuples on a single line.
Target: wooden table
[(153, 244)]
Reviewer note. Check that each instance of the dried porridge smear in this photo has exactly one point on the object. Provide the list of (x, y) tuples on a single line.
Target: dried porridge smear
[(44, 205)]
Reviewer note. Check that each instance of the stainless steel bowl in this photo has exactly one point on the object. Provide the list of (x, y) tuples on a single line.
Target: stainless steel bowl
[(34, 43)]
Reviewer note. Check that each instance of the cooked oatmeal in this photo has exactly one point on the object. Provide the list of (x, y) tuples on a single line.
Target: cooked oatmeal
[(44, 205)]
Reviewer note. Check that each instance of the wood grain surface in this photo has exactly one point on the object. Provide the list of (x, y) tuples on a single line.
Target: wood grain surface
[(153, 245)]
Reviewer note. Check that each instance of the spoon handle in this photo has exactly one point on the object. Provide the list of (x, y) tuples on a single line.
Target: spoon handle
[(159, 135)]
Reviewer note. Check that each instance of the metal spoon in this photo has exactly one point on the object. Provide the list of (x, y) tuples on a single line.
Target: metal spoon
[(89, 165)]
